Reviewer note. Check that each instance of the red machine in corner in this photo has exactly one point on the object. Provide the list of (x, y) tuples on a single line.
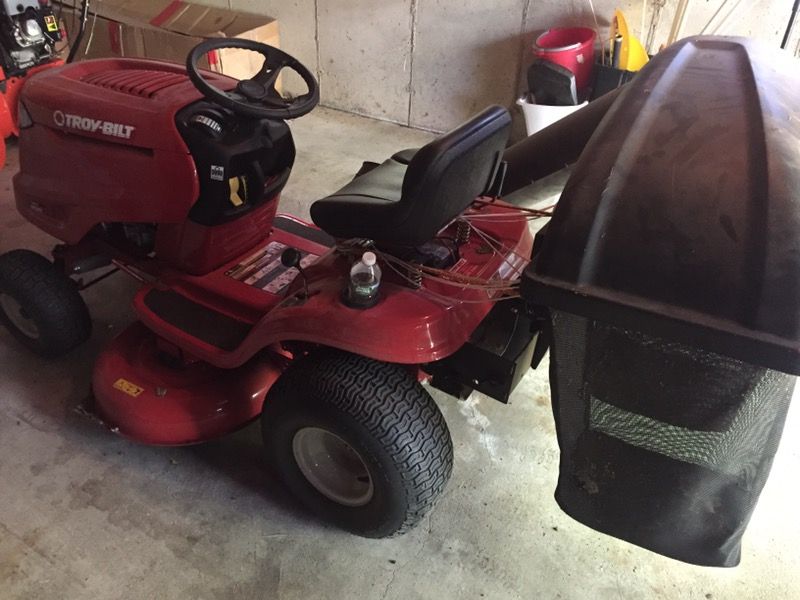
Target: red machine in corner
[(173, 175), (29, 32)]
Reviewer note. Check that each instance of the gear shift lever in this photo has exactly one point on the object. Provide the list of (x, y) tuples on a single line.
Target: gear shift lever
[(291, 258)]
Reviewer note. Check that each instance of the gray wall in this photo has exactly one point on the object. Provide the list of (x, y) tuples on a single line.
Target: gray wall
[(432, 63)]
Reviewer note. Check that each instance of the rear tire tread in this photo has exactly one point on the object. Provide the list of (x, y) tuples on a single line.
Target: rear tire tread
[(395, 409)]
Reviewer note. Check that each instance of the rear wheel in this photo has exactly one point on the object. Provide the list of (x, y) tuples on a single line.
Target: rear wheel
[(40, 305), (359, 442)]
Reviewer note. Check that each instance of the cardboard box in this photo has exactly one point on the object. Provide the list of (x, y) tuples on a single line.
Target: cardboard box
[(168, 30)]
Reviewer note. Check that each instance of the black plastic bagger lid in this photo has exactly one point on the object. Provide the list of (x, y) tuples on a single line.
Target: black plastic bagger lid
[(682, 215)]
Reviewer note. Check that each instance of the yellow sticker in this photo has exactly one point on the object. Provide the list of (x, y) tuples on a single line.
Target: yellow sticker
[(238, 190), (51, 23), (125, 386)]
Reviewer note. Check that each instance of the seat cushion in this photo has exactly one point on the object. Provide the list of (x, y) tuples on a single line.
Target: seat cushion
[(405, 156), (353, 210), (384, 182), (408, 199)]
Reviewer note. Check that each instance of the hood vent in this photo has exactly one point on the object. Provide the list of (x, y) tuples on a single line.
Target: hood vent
[(145, 83)]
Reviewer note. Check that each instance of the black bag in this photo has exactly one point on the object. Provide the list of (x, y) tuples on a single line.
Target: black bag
[(662, 444)]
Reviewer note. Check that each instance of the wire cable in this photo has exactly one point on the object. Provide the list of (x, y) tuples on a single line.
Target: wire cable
[(499, 286), (73, 51)]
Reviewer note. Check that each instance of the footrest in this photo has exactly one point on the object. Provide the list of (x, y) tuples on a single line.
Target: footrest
[(196, 320)]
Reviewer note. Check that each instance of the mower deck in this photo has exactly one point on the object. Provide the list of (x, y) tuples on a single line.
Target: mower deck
[(146, 395), (151, 391)]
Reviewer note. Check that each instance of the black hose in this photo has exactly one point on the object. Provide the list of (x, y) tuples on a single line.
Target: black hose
[(81, 30), (554, 147), (790, 26)]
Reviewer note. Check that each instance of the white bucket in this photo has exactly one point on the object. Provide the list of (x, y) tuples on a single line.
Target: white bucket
[(539, 116)]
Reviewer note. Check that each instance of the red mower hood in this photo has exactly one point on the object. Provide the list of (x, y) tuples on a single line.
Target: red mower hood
[(127, 101)]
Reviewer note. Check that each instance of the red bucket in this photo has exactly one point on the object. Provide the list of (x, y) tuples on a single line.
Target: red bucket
[(570, 47)]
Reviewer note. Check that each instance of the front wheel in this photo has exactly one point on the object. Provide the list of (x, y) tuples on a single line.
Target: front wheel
[(40, 305), (359, 442)]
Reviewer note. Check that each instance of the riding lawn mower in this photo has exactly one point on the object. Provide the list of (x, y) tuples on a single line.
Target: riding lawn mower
[(669, 373)]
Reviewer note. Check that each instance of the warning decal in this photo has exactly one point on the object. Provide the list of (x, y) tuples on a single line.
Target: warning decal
[(265, 271), (125, 386), (471, 269)]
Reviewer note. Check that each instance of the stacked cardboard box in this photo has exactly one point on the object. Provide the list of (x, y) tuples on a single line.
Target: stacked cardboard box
[(167, 29)]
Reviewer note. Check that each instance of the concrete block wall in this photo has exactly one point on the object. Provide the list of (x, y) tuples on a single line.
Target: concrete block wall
[(432, 63)]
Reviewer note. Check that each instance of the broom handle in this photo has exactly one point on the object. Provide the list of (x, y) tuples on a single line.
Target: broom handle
[(790, 26), (677, 22)]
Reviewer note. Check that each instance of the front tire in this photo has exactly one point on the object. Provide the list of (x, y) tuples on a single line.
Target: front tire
[(40, 305), (359, 442)]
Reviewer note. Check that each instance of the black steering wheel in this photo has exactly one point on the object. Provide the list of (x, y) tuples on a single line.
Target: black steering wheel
[(256, 97)]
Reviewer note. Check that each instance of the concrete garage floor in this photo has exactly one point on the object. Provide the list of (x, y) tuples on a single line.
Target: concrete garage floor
[(85, 514)]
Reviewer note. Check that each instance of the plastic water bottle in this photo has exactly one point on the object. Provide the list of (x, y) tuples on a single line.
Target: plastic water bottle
[(365, 281)]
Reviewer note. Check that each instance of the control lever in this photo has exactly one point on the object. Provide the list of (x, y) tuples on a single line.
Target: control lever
[(291, 258)]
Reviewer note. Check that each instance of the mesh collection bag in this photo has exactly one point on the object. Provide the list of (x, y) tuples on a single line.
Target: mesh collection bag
[(662, 444)]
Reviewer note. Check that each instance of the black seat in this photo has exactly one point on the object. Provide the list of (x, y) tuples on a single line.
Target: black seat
[(406, 200)]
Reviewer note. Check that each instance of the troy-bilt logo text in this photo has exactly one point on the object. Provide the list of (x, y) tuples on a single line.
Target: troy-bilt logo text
[(94, 125)]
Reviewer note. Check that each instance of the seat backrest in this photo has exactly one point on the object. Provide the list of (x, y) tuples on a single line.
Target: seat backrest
[(446, 175)]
